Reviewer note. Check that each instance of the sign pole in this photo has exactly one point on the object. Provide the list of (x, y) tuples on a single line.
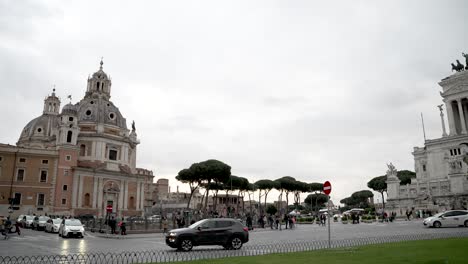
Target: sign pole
[(329, 232), (327, 190)]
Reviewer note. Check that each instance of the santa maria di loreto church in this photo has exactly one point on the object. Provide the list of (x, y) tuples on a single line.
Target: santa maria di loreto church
[(75, 160)]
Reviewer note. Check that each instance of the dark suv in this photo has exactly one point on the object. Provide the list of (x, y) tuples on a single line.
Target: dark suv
[(229, 233)]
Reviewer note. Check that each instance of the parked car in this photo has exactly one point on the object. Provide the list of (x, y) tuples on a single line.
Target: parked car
[(20, 219), (136, 219), (71, 227), (448, 218), (53, 225), (226, 232), (27, 221), (40, 222), (154, 218)]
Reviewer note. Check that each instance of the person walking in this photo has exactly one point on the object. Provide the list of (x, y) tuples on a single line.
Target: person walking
[(112, 225), (7, 227), (286, 220), (164, 224), (123, 227)]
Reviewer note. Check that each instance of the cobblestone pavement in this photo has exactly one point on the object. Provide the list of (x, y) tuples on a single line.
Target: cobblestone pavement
[(34, 243)]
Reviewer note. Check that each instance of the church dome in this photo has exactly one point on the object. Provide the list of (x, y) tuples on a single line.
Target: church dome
[(39, 132), (100, 110), (69, 109)]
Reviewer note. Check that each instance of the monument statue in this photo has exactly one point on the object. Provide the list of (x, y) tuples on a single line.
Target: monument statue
[(391, 172), (441, 108), (460, 66), (466, 60), (133, 126)]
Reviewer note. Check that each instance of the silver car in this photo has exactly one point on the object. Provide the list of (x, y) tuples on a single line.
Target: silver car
[(71, 227), (53, 225), (448, 218), (39, 223), (28, 221)]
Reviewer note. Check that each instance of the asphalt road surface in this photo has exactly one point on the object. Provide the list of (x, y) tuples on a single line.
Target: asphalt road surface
[(34, 243)]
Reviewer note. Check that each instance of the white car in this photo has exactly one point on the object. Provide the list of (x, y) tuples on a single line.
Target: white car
[(53, 225), (28, 221), (448, 218), (71, 227)]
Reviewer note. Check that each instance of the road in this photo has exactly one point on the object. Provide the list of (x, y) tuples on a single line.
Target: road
[(34, 243)]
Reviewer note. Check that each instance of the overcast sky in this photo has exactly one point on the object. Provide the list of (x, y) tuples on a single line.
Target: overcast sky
[(316, 90)]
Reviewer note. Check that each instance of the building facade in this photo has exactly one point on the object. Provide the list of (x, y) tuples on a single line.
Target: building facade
[(77, 160), (441, 166)]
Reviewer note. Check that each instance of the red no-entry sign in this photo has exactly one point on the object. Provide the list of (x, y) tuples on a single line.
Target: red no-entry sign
[(109, 208), (327, 188)]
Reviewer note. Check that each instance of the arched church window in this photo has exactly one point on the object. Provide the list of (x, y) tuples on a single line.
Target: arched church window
[(87, 201), (69, 136), (132, 202), (97, 85), (82, 150)]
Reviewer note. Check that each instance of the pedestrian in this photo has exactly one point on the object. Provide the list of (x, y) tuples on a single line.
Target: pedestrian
[(112, 225), (7, 227), (164, 223), (123, 227), (249, 222), (286, 220), (408, 215), (270, 221), (17, 228)]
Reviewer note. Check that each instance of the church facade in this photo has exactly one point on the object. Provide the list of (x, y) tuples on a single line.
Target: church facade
[(441, 166), (77, 160)]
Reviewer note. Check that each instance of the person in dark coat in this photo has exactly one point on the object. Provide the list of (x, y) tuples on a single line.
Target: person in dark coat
[(112, 225)]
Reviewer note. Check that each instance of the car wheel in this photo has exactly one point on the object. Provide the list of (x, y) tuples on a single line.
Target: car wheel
[(186, 244), (235, 243), (466, 223), (437, 224)]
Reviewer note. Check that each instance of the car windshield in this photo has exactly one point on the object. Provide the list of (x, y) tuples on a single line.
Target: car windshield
[(195, 225), (29, 217), (73, 222), (43, 218), (439, 214), (57, 221)]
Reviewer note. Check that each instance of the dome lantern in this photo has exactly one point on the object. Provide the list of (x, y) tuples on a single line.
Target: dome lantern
[(99, 83)]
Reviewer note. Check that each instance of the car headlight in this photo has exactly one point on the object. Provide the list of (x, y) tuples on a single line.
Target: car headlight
[(172, 234), (67, 229)]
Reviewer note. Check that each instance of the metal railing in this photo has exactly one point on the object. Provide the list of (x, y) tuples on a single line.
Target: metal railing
[(199, 254)]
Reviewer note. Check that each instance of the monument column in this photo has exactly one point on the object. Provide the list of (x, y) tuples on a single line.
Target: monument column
[(462, 116), (451, 120), (444, 132)]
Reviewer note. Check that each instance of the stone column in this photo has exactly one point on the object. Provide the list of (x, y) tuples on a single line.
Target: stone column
[(100, 194), (444, 132), (125, 195), (80, 192), (462, 116), (95, 192), (75, 190), (142, 196), (138, 196), (451, 119), (121, 195)]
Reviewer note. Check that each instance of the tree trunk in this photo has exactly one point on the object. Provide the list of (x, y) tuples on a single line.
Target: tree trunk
[(250, 203), (266, 194), (192, 190), (287, 202), (259, 202), (207, 194)]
